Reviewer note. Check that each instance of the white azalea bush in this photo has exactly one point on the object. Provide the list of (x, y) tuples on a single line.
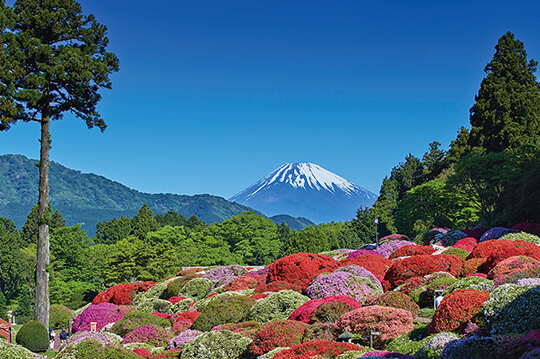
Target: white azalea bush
[(222, 344)]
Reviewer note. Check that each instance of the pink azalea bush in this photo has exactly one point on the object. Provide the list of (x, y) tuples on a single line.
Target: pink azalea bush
[(303, 312), (183, 338), (512, 265), (150, 334), (225, 272), (390, 322), (466, 244), (386, 249), (102, 314), (343, 283), (360, 272)]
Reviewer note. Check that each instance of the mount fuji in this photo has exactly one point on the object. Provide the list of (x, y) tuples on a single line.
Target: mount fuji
[(306, 190)]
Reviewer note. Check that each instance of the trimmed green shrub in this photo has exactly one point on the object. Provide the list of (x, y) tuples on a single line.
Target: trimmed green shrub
[(522, 236), (278, 306), (94, 349), (13, 351), (222, 344), (197, 288), (396, 300), (330, 312), (60, 316), (231, 309), (157, 291), (33, 336), (155, 305), (461, 253), (321, 331), (182, 306), (136, 319), (175, 285)]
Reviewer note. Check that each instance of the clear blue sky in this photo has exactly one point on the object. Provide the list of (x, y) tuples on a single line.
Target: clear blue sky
[(213, 95)]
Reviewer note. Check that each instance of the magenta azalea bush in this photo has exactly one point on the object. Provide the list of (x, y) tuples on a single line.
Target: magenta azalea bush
[(386, 249), (495, 233), (102, 314), (183, 338), (150, 334), (343, 283), (361, 252)]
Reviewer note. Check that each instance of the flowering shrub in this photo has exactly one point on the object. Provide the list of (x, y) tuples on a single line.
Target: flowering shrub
[(396, 300), (299, 268), (93, 349), (151, 334), (512, 309), (470, 347), (229, 272), (322, 348), (472, 282), (197, 288), (467, 244), (105, 338), (375, 354), (377, 265), (304, 312), (277, 286), (423, 265), (136, 319), (408, 286), (436, 344), (494, 233), (533, 272), (387, 248), (102, 314), (157, 291), (498, 250), (360, 272), (122, 294), (249, 329), (456, 310), (12, 351), (232, 309), (279, 305), (155, 305), (512, 265), (322, 331), (424, 294), (450, 238), (412, 250), (279, 333), (343, 283), (476, 232), (533, 354), (59, 316), (390, 322), (330, 312), (222, 344), (474, 265), (262, 271), (175, 285), (394, 237), (184, 272), (532, 228), (515, 345), (245, 282), (522, 236), (183, 306), (461, 253), (187, 317), (427, 237), (362, 252), (183, 338), (531, 282)]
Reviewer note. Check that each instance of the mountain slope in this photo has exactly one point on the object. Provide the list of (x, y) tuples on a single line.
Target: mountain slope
[(88, 198), (306, 190)]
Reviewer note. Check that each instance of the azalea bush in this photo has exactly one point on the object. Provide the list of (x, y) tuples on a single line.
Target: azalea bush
[(522, 236), (330, 312), (495, 233), (277, 286), (156, 305), (410, 250), (456, 310), (474, 265), (496, 251), (231, 309), (361, 252), (321, 331), (175, 285), (390, 322), (343, 283), (183, 338), (249, 328), (228, 272), (136, 319), (277, 306), (423, 295), (450, 238), (461, 253), (94, 349), (435, 344), (377, 265), (222, 344), (472, 282), (299, 268), (467, 244), (245, 282), (304, 313), (470, 347), (421, 266), (318, 348), (396, 300), (197, 288), (512, 265), (279, 333), (359, 272), (60, 316), (387, 248), (532, 228), (104, 338), (150, 334), (476, 232), (122, 294), (13, 351), (102, 314)]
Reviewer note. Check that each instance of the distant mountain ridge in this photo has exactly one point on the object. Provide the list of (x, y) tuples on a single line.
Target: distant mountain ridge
[(87, 198), (306, 190)]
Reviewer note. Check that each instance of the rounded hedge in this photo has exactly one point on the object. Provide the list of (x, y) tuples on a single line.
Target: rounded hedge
[(396, 299), (280, 333), (33, 336), (136, 319), (277, 306), (231, 309), (222, 344)]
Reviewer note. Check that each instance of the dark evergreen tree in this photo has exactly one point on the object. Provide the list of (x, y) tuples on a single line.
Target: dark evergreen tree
[(433, 162), (364, 226), (195, 224), (171, 218), (458, 147), (3, 307), (112, 231), (506, 114), (53, 59)]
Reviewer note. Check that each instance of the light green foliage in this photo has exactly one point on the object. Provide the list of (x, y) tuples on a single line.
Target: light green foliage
[(197, 288), (167, 234), (13, 351), (144, 222), (274, 351), (113, 231), (522, 236), (137, 319), (321, 238), (182, 306), (278, 306), (94, 349), (60, 316), (406, 345), (461, 253), (33, 336), (222, 344), (203, 303), (155, 305), (154, 292), (228, 309), (471, 282)]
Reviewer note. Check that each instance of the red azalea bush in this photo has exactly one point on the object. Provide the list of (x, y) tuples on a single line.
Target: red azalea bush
[(280, 333), (184, 321), (259, 296), (325, 348), (390, 322), (456, 310), (299, 268), (410, 284), (245, 282), (423, 265), (169, 317), (412, 250), (396, 300), (532, 228), (122, 294), (466, 244), (394, 237), (142, 352), (512, 265), (176, 299), (277, 286), (189, 271), (498, 250), (474, 265), (304, 312), (248, 329), (377, 265)]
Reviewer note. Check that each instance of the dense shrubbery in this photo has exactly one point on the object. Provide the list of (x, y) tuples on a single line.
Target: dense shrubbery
[(229, 309), (33, 336), (277, 306), (60, 316), (135, 319), (102, 314), (421, 266), (222, 344), (512, 265), (396, 299), (277, 286), (412, 250), (377, 265), (122, 294), (496, 251), (279, 333), (317, 348), (150, 334), (343, 283)]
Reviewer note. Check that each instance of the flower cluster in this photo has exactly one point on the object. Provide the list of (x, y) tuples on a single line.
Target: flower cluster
[(249, 329), (151, 334), (390, 322), (321, 348), (343, 283), (494, 233), (229, 272), (245, 282), (377, 265), (501, 249), (299, 268), (360, 272), (470, 347), (387, 248), (421, 266), (136, 319), (412, 250), (183, 338), (304, 312), (362, 252), (450, 238), (456, 310), (532, 282), (471, 282), (279, 333), (122, 294), (102, 314), (101, 337), (262, 271)]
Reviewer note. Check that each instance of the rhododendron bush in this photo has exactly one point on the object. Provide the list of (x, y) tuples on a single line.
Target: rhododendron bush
[(450, 238), (229, 272), (361, 252), (299, 268), (102, 314), (280, 333), (277, 286), (466, 244), (390, 322), (343, 283), (496, 251), (245, 282), (476, 232), (122, 294), (396, 300), (456, 310), (472, 282), (183, 338), (324, 348), (136, 319), (249, 329), (421, 266)]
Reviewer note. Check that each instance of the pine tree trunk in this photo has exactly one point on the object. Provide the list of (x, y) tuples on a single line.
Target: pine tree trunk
[(41, 312)]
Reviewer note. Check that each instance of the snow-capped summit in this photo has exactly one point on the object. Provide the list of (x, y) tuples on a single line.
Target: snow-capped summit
[(306, 190)]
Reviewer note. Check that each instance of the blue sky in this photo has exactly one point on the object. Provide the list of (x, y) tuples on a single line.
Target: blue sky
[(213, 95)]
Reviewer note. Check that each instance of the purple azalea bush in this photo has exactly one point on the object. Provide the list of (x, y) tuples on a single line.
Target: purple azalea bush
[(386, 249), (450, 238), (532, 282), (183, 338), (102, 314), (104, 338), (343, 283), (360, 272), (386, 354), (221, 272), (495, 233), (150, 334), (262, 271)]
